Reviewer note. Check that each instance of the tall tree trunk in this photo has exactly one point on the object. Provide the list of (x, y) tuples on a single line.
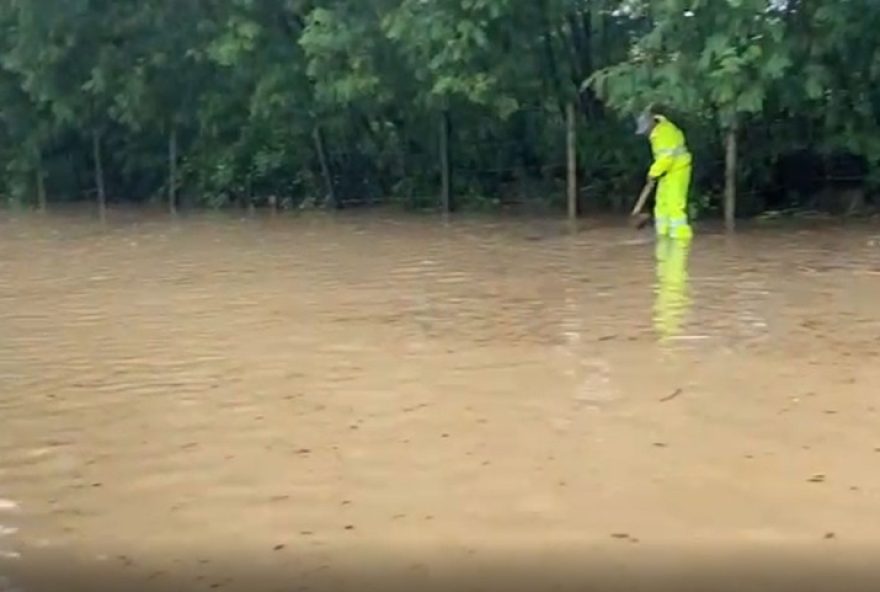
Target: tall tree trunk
[(402, 173), (597, 35), (445, 174), (730, 142), (42, 202), (571, 143), (576, 44), (580, 26), (330, 196), (99, 174), (249, 197), (551, 68), (172, 170)]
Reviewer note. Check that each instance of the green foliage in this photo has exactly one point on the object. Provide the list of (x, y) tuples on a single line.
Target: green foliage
[(704, 58), (248, 87)]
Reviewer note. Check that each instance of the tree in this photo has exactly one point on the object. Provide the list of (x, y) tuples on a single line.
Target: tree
[(69, 56), (717, 61), (354, 100), (161, 88)]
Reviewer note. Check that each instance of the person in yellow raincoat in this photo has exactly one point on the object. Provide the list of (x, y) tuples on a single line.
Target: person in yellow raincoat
[(672, 172)]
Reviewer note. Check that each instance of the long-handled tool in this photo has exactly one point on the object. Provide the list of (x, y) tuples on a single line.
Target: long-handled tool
[(639, 219)]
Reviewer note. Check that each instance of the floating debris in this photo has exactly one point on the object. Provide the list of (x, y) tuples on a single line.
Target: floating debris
[(670, 397)]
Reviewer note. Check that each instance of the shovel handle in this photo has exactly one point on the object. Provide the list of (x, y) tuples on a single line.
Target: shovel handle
[(649, 187)]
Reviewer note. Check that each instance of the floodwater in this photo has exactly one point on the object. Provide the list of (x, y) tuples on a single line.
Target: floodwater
[(193, 401)]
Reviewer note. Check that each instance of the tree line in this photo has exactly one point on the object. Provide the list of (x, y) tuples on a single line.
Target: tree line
[(429, 103)]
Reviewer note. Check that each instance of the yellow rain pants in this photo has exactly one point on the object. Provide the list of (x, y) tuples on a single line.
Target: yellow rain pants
[(671, 300), (672, 169)]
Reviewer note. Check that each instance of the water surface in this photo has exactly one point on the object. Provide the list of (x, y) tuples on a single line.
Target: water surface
[(176, 394)]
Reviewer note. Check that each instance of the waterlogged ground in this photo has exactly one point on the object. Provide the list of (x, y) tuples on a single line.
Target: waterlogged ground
[(186, 402)]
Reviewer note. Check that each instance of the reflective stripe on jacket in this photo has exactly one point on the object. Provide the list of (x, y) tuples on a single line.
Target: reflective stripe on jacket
[(669, 148)]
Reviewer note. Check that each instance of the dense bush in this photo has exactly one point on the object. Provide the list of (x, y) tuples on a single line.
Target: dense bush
[(343, 101)]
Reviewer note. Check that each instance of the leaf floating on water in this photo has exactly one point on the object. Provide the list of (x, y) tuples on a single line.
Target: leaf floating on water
[(668, 398)]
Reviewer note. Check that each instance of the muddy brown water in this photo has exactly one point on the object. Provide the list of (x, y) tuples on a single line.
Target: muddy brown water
[(189, 401)]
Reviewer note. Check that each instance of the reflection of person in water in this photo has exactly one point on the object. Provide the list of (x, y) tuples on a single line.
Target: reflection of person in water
[(671, 299)]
